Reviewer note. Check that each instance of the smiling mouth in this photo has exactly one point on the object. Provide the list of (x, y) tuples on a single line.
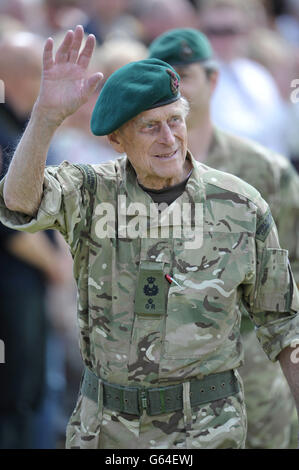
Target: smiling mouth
[(166, 156)]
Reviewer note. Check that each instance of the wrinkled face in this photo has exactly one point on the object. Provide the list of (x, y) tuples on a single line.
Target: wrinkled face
[(155, 142)]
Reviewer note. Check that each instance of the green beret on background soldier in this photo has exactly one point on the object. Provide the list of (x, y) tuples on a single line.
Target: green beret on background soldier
[(270, 408), (158, 326)]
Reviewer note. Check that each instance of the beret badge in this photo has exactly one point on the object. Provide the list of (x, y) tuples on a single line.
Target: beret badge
[(174, 82), (186, 51)]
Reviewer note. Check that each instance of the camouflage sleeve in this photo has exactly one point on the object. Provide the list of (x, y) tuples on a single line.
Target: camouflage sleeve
[(272, 299), (60, 207), (288, 216)]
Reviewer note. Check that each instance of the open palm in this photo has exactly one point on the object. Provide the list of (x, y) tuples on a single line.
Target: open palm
[(65, 85)]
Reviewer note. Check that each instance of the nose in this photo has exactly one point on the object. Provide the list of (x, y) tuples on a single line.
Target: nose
[(166, 135)]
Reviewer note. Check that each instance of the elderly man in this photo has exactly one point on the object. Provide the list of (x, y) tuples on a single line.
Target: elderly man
[(159, 331), (269, 406)]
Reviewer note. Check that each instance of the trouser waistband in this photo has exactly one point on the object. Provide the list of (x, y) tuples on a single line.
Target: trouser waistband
[(159, 400)]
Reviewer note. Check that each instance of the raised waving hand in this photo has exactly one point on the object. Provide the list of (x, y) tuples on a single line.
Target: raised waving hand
[(65, 85)]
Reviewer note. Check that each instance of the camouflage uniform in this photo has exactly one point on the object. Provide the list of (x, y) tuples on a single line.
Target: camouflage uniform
[(271, 174), (198, 333), (271, 413)]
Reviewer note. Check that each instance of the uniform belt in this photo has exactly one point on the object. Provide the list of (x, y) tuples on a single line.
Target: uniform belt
[(133, 400)]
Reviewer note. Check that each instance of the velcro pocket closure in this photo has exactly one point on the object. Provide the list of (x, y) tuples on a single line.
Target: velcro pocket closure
[(150, 292)]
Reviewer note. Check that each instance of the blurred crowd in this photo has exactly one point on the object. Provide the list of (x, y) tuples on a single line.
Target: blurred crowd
[(256, 44)]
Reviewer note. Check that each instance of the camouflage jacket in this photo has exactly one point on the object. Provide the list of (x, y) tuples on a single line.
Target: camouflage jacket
[(271, 174), (193, 328)]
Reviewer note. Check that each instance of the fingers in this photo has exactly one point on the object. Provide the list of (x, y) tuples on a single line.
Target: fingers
[(87, 51), (93, 83), (76, 44), (62, 54), (48, 54), (70, 47)]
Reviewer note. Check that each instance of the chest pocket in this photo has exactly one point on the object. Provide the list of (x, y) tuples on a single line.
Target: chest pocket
[(150, 310), (201, 311)]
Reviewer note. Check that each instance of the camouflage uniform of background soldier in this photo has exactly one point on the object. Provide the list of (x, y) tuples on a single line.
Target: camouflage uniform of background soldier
[(272, 420), (160, 357), (272, 417)]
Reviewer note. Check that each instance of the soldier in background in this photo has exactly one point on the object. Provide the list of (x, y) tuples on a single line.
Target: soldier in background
[(269, 404), (159, 329), (271, 50), (253, 115)]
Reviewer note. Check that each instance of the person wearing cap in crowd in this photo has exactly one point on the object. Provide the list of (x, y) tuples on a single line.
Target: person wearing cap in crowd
[(258, 116), (157, 286), (269, 403)]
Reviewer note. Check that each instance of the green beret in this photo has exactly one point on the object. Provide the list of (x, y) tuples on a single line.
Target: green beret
[(181, 46), (132, 89)]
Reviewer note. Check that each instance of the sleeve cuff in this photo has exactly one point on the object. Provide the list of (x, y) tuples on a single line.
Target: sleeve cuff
[(46, 215), (278, 335)]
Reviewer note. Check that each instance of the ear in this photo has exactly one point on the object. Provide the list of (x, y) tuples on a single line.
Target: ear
[(214, 80), (116, 141)]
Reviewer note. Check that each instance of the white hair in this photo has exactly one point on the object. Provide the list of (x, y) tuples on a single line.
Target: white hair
[(185, 106)]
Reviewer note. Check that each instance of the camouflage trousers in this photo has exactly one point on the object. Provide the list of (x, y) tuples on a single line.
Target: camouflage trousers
[(271, 412), (217, 425)]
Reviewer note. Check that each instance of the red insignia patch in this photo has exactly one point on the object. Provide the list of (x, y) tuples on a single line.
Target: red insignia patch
[(174, 82)]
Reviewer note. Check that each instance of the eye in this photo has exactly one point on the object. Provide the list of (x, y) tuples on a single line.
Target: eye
[(175, 119), (148, 126), (184, 75)]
